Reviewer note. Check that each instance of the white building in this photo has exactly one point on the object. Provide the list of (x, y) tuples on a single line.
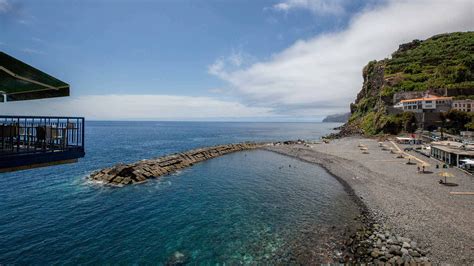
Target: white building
[(463, 105), (429, 103)]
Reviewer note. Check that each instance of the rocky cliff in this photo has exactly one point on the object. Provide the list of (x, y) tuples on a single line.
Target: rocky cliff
[(337, 118), (443, 64)]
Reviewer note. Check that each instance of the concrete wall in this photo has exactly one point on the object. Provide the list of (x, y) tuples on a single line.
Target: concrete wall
[(428, 119)]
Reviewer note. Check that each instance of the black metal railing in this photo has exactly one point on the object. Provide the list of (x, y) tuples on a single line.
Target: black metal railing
[(21, 135)]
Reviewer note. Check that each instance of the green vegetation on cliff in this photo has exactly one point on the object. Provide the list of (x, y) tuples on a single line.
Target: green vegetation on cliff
[(444, 61)]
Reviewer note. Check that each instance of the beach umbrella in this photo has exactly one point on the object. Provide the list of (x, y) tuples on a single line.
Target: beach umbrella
[(423, 165), (409, 157), (445, 175)]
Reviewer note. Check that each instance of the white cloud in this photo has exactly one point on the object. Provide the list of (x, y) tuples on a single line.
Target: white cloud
[(217, 90), (166, 107), (32, 51), (5, 6), (235, 60), (332, 7), (325, 73)]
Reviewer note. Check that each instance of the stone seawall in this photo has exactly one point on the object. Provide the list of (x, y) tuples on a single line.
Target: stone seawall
[(139, 172)]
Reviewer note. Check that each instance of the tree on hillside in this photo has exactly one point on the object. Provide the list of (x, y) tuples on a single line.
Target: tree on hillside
[(456, 121), (409, 122)]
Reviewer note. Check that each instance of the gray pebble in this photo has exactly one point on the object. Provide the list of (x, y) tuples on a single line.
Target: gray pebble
[(406, 245), (404, 251)]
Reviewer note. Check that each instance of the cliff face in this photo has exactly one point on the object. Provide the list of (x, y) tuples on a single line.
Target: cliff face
[(337, 118), (442, 64)]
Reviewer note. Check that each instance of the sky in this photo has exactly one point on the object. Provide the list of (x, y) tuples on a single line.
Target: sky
[(213, 60)]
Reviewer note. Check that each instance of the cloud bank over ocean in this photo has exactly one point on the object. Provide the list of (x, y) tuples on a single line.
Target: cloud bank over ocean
[(307, 79), (146, 107)]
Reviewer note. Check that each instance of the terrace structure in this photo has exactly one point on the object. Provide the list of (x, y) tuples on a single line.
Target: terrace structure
[(35, 141), (451, 152)]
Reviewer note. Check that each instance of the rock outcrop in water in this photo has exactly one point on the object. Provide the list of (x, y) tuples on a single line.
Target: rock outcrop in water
[(139, 172), (337, 118)]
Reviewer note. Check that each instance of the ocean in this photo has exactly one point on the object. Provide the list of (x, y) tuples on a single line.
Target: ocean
[(247, 207)]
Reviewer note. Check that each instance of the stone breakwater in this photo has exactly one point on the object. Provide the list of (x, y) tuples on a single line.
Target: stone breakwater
[(139, 172)]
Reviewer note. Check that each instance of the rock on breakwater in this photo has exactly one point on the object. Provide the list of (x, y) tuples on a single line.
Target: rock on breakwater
[(139, 172)]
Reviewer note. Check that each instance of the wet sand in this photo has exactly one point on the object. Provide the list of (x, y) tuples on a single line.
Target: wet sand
[(412, 204)]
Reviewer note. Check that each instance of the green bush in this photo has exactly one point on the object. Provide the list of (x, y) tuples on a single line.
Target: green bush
[(413, 68), (456, 121), (400, 122), (368, 124)]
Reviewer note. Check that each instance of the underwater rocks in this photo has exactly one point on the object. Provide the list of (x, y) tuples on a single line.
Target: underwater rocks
[(139, 172), (178, 258)]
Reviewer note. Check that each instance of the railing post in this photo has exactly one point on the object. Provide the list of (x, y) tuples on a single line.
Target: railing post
[(17, 134), (66, 140), (33, 134), (83, 133)]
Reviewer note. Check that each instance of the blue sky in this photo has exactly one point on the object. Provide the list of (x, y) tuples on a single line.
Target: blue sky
[(221, 60)]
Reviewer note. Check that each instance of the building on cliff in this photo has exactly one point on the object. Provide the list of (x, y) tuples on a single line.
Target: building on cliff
[(463, 105), (429, 103), (427, 109), (35, 141)]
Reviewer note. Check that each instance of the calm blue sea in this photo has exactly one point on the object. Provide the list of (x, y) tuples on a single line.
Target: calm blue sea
[(253, 206)]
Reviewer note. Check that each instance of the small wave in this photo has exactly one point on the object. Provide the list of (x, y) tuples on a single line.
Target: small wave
[(98, 183), (178, 172)]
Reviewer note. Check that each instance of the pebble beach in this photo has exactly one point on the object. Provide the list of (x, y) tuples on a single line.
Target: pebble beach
[(410, 216)]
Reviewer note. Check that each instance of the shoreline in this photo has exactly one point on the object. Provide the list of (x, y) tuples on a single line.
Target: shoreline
[(358, 237), (347, 188), (396, 203)]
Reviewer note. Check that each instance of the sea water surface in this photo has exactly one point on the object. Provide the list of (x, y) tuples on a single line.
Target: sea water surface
[(252, 206)]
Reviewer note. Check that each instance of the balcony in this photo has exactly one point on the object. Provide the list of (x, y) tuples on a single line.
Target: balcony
[(35, 141)]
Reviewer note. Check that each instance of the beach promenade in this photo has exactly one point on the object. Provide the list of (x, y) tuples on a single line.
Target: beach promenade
[(410, 203)]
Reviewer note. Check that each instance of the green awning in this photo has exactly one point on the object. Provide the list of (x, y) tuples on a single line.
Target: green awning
[(20, 81)]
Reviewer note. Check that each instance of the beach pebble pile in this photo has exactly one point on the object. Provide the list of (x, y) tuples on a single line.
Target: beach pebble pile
[(374, 243)]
